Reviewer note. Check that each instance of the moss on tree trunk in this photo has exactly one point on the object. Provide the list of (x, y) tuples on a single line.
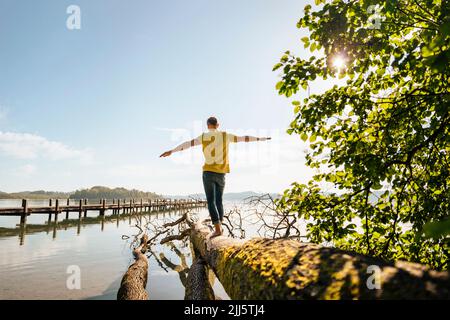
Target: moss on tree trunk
[(288, 269)]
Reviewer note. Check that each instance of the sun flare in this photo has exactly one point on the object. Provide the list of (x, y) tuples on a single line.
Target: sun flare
[(338, 62)]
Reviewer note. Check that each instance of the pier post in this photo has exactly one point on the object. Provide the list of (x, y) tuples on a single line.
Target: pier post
[(141, 206), (85, 210), (56, 210), (80, 209), (50, 204), (23, 216), (67, 211), (102, 211)]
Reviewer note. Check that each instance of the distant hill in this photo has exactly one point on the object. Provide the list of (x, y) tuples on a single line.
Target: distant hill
[(100, 192), (4, 195), (237, 196), (97, 192), (39, 194), (230, 196)]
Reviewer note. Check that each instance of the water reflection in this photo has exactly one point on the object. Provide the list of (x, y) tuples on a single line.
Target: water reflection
[(35, 256), (182, 269), (21, 230)]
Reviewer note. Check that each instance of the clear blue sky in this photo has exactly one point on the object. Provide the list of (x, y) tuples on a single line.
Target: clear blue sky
[(97, 106)]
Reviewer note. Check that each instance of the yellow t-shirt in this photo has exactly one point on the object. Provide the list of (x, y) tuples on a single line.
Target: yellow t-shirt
[(215, 149)]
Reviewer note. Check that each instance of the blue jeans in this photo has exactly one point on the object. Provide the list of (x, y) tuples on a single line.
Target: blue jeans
[(214, 183)]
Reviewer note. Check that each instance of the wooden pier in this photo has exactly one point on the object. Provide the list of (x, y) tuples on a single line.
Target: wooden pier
[(117, 206)]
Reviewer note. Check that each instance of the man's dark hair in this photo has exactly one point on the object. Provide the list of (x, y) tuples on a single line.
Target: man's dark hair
[(212, 121)]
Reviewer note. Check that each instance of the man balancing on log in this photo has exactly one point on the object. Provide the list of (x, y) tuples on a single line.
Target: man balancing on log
[(215, 150)]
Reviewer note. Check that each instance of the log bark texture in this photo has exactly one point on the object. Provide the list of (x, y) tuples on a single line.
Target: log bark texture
[(289, 269), (198, 286), (134, 280)]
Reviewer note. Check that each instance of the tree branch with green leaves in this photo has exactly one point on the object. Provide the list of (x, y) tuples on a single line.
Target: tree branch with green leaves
[(381, 140)]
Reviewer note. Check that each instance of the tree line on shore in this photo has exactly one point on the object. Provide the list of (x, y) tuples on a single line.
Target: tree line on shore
[(96, 192)]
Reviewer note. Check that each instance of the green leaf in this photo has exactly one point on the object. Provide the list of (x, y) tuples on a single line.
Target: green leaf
[(377, 186), (277, 66), (279, 85), (437, 229), (304, 137)]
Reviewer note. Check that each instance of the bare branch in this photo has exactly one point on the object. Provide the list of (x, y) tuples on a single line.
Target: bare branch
[(181, 236)]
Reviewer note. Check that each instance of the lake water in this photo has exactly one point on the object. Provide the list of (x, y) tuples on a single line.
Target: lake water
[(35, 265)]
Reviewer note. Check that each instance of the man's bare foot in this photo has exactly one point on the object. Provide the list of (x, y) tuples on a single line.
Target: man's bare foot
[(215, 234)]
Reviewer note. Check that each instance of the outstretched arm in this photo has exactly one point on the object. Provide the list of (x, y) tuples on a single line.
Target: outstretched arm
[(181, 147), (250, 138)]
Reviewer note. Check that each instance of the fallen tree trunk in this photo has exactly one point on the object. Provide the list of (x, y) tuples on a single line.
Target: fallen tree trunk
[(288, 269), (198, 286), (134, 280)]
